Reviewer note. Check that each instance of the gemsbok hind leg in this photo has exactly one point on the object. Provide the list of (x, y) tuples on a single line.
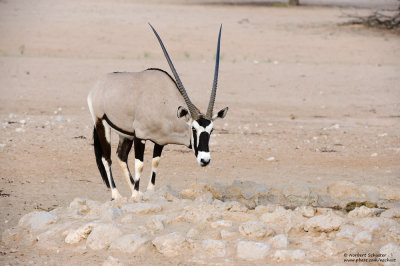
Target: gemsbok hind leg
[(154, 165), (124, 147), (139, 153), (102, 146)]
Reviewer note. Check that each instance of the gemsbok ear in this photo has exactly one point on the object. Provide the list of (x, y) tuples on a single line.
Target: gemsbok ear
[(183, 112), (221, 114)]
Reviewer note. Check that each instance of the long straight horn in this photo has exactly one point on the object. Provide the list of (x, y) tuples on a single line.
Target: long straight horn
[(215, 83), (192, 108)]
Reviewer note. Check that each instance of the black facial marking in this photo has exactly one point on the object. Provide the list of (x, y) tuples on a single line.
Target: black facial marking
[(195, 141), (203, 122), (203, 142)]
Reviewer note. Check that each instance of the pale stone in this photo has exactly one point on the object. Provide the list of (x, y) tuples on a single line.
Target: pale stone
[(347, 232), (156, 222), (250, 250), (131, 243), (289, 255), (333, 248), (200, 214), (394, 232), (375, 223), (37, 221), (235, 206), (279, 241), (171, 244), (102, 235), (207, 197), (344, 189), (299, 194), (391, 193), (324, 223), (111, 214), (141, 208), (306, 211), (284, 220), (111, 261), (361, 212), (255, 229), (391, 213), (392, 251), (221, 223), (260, 209), (79, 234), (227, 234), (214, 248), (128, 219), (192, 233), (364, 237)]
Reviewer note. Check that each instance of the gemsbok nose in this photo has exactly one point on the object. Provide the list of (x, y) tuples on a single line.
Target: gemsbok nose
[(204, 162)]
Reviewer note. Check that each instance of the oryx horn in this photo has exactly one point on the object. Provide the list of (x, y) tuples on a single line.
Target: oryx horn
[(215, 83), (192, 108)]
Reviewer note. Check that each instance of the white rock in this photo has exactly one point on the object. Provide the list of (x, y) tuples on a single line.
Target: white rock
[(222, 223), (128, 219), (347, 232), (235, 206), (111, 261), (214, 248), (344, 189), (156, 222), (333, 248), (171, 244), (79, 234), (284, 220), (391, 213), (111, 214), (141, 208), (375, 223), (37, 221), (131, 243), (360, 212), (291, 255), (394, 232), (364, 237), (250, 250), (192, 233), (279, 241), (324, 223), (227, 234), (306, 211), (102, 236), (392, 251), (255, 229)]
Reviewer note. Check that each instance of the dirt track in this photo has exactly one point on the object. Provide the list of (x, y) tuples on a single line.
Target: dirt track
[(322, 99)]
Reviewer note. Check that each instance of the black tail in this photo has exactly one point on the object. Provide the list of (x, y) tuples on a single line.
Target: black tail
[(98, 152)]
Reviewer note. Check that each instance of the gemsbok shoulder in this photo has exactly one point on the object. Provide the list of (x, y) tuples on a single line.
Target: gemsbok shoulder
[(148, 106)]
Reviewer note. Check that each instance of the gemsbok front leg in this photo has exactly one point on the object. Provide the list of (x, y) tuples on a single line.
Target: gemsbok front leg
[(102, 147), (139, 153), (154, 165), (124, 147)]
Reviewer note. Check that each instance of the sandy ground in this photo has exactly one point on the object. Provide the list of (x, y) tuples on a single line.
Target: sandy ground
[(323, 100)]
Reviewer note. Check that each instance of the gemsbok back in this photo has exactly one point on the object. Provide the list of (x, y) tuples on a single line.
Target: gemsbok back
[(148, 105)]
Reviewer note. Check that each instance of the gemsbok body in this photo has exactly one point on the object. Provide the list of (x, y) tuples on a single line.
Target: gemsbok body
[(148, 106)]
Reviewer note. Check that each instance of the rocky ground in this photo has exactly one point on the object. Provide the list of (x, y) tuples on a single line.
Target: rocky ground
[(313, 124), (216, 224)]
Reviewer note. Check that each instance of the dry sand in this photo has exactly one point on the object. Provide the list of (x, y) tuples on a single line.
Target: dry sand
[(323, 100)]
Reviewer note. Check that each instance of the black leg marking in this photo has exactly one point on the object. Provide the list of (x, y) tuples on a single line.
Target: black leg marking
[(124, 147), (139, 154), (105, 148), (156, 153)]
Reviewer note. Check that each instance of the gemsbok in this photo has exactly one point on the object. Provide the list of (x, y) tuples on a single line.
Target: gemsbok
[(148, 105)]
